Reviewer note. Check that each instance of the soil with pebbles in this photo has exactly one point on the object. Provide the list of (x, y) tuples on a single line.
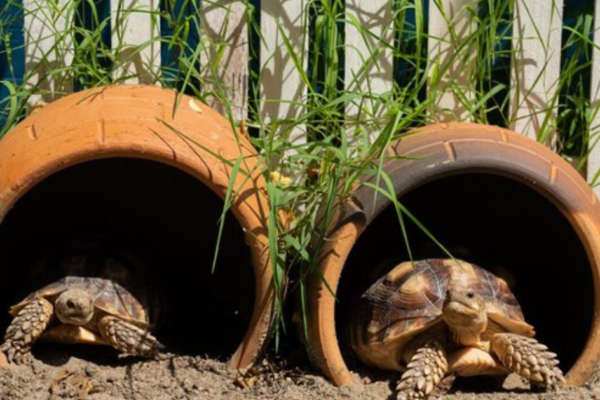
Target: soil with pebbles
[(80, 373)]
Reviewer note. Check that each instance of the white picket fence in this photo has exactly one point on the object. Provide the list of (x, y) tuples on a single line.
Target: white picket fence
[(534, 70)]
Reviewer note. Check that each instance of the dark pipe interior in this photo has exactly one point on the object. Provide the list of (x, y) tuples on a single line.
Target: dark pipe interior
[(152, 210), (499, 224)]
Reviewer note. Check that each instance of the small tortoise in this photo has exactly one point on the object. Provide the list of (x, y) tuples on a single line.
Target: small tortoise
[(83, 309), (440, 318)]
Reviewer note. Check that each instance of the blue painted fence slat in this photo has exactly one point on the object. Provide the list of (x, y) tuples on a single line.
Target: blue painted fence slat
[(12, 51), (91, 15), (180, 32)]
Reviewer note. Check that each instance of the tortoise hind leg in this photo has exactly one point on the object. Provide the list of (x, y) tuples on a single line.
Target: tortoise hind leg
[(25, 329), (129, 338), (528, 358), (425, 371)]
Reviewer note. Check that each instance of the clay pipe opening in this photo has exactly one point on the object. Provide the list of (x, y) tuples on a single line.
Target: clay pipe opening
[(494, 198), (150, 210)]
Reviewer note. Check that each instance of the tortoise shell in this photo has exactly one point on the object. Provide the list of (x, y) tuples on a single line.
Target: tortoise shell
[(109, 297), (408, 301), (106, 269)]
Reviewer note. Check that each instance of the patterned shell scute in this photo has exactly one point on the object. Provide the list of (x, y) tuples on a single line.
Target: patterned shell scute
[(108, 296), (412, 294)]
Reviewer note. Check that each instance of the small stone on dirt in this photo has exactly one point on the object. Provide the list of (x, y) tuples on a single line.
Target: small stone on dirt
[(70, 385)]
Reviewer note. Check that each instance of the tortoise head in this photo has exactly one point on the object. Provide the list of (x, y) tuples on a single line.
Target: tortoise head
[(75, 307), (464, 308)]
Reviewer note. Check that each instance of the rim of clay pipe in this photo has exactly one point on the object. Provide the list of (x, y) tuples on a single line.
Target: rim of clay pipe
[(446, 150), (138, 121)]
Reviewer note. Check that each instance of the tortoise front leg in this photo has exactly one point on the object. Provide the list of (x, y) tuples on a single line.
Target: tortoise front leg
[(128, 338), (25, 329), (528, 358), (425, 371)]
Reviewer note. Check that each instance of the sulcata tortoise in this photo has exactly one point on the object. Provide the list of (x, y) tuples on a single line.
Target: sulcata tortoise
[(440, 318), (89, 305)]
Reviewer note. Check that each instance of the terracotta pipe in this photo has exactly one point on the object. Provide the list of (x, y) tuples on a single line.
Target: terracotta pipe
[(140, 122), (440, 151)]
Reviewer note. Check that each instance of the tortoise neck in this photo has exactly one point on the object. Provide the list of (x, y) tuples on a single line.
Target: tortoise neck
[(467, 336), (467, 330)]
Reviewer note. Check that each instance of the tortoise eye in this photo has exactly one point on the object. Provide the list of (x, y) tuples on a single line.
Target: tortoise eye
[(470, 294)]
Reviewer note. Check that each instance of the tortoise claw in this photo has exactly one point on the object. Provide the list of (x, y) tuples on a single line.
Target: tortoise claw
[(25, 329), (425, 371), (527, 357), (163, 356), (17, 355), (129, 338)]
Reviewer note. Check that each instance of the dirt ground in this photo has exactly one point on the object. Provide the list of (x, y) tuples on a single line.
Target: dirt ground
[(79, 373)]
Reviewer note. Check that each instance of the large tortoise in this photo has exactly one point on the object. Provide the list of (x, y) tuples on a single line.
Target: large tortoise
[(439, 318), (94, 308)]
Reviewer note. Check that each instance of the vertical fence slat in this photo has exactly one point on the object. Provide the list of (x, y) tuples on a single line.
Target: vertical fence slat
[(535, 66), (593, 162), (368, 62), (224, 25), (135, 35), (45, 23), (451, 57), (282, 88)]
